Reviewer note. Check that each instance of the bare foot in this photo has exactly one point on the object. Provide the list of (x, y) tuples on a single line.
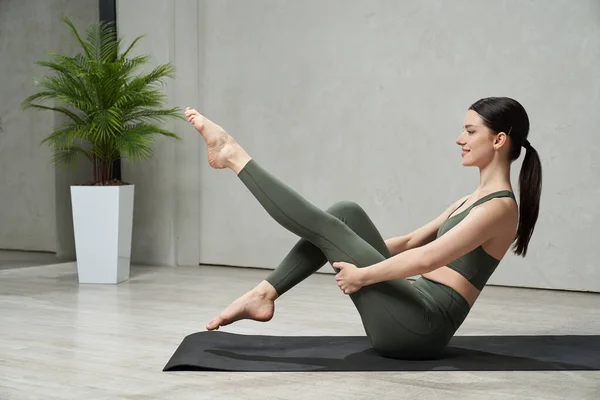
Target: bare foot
[(220, 145), (257, 305)]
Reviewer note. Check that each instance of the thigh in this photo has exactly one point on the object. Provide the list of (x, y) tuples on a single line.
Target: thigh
[(361, 239), (356, 218), (398, 318), (349, 235), (401, 321)]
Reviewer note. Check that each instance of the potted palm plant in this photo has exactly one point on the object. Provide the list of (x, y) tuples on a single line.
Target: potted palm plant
[(112, 113)]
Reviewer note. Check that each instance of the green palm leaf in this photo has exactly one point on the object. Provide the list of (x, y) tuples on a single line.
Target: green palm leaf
[(69, 156), (112, 108), (64, 137)]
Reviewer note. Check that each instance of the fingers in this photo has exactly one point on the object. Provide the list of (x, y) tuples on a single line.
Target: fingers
[(343, 287), (341, 279), (346, 291)]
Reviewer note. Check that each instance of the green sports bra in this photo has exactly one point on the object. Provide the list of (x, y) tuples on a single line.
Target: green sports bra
[(476, 266)]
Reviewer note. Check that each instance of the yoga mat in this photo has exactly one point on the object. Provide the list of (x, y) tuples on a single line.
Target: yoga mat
[(223, 351)]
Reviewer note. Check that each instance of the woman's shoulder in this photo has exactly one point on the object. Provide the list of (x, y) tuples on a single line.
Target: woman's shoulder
[(499, 208)]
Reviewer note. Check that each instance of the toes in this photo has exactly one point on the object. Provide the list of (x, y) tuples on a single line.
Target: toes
[(189, 112), (213, 324)]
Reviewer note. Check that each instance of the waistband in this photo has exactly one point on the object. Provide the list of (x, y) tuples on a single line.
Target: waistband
[(446, 299)]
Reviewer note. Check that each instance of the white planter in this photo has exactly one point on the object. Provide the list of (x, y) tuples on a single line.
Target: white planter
[(102, 222)]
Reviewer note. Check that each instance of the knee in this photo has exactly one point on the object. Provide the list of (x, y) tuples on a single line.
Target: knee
[(344, 206)]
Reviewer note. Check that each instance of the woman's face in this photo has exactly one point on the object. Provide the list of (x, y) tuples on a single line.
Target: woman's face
[(476, 141)]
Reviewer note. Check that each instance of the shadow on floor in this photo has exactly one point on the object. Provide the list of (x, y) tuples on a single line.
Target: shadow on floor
[(15, 259), (11, 259)]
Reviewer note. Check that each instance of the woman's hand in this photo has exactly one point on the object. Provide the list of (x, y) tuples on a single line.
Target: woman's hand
[(349, 278)]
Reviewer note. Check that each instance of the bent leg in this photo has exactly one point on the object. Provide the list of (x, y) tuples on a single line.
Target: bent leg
[(305, 258), (398, 318)]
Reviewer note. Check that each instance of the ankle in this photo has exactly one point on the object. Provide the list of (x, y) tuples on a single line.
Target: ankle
[(266, 291), (236, 157), (238, 161)]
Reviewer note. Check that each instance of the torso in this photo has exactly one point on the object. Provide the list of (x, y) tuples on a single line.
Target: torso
[(495, 247), (456, 281)]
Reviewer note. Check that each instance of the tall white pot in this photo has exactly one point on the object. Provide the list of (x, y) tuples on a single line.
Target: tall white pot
[(102, 222)]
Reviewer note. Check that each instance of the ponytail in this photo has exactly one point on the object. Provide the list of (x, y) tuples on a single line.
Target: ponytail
[(530, 190), (503, 114)]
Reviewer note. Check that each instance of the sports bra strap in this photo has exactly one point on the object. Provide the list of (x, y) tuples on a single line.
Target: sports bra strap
[(501, 193)]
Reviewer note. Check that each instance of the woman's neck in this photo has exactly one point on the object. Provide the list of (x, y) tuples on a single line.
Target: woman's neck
[(494, 176)]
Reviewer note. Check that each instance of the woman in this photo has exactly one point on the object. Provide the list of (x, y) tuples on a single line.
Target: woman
[(455, 253)]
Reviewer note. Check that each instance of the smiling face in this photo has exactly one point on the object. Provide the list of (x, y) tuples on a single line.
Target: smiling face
[(479, 145)]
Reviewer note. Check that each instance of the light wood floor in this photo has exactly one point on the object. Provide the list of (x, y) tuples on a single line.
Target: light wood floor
[(62, 340)]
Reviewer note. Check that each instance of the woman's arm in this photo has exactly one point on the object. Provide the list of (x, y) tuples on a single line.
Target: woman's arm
[(422, 236), (481, 224)]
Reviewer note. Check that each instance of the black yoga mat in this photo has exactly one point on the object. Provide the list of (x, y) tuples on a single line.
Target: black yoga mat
[(223, 351)]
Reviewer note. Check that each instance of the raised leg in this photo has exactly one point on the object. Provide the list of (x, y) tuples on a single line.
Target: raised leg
[(335, 239)]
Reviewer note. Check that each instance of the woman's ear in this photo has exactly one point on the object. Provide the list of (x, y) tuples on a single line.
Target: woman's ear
[(500, 140)]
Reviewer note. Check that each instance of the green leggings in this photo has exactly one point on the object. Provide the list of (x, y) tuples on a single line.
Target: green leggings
[(401, 319)]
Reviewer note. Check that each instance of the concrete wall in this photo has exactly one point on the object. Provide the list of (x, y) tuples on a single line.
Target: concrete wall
[(166, 223), (32, 193), (339, 99), (363, 100)]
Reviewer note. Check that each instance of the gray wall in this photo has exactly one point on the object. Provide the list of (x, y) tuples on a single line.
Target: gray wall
[(34, 197), (363, 100), (341, 100), (166, 224)]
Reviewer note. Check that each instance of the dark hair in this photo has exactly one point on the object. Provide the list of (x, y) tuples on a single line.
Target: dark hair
[(503, 114)]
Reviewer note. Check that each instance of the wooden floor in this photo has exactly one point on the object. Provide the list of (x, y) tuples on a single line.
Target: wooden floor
[(62, 340)]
